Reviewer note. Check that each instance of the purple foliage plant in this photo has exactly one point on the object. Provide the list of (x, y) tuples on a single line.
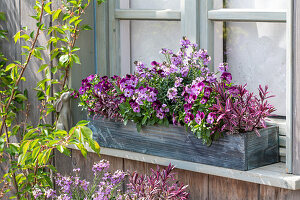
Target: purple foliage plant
[(237, 110), (161, 184)]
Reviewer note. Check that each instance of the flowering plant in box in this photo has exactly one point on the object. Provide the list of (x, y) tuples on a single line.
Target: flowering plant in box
[(180, 90)]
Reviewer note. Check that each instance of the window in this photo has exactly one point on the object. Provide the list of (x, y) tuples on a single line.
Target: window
[(251, 35)]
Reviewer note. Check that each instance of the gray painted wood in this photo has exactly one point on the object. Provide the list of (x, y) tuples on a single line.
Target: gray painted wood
[(247, 15), (131, 14), (241, 151), (296, 89)]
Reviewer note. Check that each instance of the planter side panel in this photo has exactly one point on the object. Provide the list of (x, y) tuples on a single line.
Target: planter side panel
[(262, 150), (172, 142)]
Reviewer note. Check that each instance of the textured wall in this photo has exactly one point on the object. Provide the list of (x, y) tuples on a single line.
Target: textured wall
[(201, 186)]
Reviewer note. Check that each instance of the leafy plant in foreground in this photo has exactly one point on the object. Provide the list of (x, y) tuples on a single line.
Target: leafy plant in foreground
[(29, 158)]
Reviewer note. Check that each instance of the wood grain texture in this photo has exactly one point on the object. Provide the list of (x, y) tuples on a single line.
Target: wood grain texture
[(296, 84), (231, 151), (274, 193), (229, 189), (201, 186)]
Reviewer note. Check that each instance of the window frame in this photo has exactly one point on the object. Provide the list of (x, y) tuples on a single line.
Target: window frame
[(198, 19)]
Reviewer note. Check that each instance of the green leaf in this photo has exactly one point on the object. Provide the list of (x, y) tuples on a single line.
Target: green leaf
[(10, 66), (73, 19), (76, 59), (35, 152), (21, 96), (47, 8), (17, 36), (87, 133), (82, 149), (42, 67), (86, 27), (2, 16), (63, 59), (37, 54), (82, 123), (56, 14), (139, 127)]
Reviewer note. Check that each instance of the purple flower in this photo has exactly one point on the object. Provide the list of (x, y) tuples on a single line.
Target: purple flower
[(156, 105), (210, 118), (178, 82), (185, 42), (164, 108), (154, 63), (187, 107), (207, 92), (76, 170), (100, 166), (184, 71), (227, 77), (128, 92), (223, 67), (136, 107), (174, 120), (50, 193), (199, 117), (160, 115), (188, 118), (203, 100), (90, 78), (81, 90), (172, 93), (37, 192)]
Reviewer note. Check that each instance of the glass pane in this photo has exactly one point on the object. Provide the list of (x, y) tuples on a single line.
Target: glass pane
[(155, 4), (257, 4), (143, 40), (256, 53), (149, 37)]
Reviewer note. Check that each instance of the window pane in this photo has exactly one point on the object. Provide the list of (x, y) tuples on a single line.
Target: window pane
[(256, 53), (257, 4), (155, 4), (147, 38)]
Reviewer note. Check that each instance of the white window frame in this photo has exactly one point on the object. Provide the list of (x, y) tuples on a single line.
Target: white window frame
[(197, 23)]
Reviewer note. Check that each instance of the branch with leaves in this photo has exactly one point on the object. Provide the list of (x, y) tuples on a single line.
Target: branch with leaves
[(30, 159)]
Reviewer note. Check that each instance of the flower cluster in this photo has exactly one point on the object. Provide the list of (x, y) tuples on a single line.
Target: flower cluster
[(180, 90), (107, 185), (98, 96)]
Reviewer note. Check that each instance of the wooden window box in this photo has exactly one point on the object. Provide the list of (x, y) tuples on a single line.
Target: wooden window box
[(239, 151)]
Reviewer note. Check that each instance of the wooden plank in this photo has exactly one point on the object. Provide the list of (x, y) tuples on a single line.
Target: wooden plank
[(247, 15), (125, 42), (295, 85), (114, 39), (131, 14), (86, 54), (228, 189), (103, 39), (63, 163), (189, 20), (206, 29), (273, 193)]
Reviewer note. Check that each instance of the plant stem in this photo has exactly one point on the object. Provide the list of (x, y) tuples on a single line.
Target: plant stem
[(23, 68)]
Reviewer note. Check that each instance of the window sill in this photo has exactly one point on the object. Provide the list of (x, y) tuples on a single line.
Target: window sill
[(271, 175)]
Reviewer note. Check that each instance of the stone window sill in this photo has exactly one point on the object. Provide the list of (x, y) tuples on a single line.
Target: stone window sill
[(271, 175)]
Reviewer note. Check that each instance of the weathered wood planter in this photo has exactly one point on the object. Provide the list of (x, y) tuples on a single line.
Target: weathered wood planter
[(240, 151)]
